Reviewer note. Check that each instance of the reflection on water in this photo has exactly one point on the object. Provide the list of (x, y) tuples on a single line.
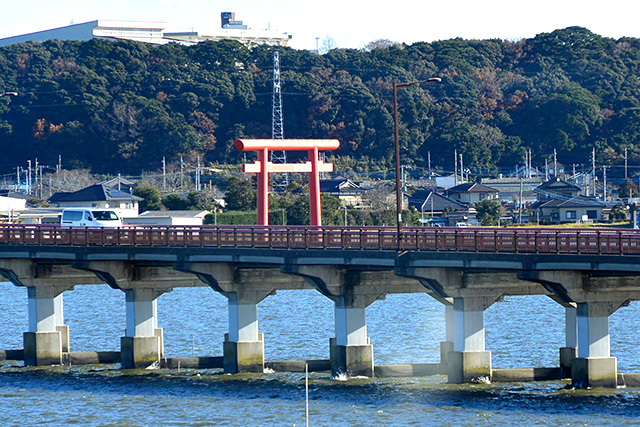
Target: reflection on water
[(521, 332)]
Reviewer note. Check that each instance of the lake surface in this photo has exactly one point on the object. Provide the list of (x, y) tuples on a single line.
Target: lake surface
[(520, 332)]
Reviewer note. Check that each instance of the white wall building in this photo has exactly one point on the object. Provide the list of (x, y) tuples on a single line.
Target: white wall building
[(151, 32)]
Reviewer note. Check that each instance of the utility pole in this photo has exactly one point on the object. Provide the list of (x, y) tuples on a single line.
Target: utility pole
[(520, 204), (555, 162), (29, 178), (18, 176), (198, 175), (461, 169), (625, 164), (546, 170), (530, 165), (429, 162), (455, 166), (164, 174), (35, 172), (181, 173), (593, 160), (604, 181)]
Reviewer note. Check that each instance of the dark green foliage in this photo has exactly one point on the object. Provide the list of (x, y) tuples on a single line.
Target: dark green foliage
[(125, 105), (489, 212), (239, 195), (152, 198)]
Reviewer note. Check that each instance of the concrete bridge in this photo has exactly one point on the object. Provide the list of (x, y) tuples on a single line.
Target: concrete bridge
[(592, 273)]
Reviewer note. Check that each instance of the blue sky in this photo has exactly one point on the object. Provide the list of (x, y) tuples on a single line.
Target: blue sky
[(350, 23)]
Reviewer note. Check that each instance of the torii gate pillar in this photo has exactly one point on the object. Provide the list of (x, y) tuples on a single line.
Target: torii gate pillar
[(263, 166)]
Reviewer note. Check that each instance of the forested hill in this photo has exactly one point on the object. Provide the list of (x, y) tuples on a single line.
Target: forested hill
[(122, 106)]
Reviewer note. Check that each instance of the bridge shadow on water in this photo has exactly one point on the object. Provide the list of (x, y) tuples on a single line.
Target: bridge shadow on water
[(542, 398)]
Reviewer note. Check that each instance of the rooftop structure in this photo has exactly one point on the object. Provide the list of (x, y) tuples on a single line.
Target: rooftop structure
[(154, 32)]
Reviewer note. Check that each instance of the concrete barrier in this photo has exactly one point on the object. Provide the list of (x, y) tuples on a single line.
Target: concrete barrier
[(298, 365), (526, 374), (91, 357), (193, 362), (409, 370), (11, 354)]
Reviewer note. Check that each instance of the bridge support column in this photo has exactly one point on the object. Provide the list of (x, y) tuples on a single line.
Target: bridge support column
[(47, 336), (143, 342), (469, 361), (351, 352), (446, 346), (243, 346), (594, 366), (570, 350)]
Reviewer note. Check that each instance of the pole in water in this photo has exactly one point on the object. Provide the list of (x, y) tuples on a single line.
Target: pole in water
[(193, 345), (306, 387)]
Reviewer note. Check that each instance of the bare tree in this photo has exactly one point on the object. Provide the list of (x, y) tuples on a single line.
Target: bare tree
[(328, 43)]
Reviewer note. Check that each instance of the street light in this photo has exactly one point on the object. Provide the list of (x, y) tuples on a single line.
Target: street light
[(396, 86)]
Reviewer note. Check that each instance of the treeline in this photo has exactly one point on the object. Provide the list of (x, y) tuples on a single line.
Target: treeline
[(123, 106)]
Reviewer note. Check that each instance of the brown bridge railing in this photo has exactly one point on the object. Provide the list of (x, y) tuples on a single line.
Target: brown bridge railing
[(480, 239)]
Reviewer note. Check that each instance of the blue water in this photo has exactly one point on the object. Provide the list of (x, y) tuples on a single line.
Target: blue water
[(520, 332)]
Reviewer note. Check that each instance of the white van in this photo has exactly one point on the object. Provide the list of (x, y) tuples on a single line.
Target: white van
[(85, 217)]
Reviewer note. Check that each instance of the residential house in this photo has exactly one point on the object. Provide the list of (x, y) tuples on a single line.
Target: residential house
[(99, 196), (349, 192), (560, 201), (472, 193), (435, 205), (554, 187)]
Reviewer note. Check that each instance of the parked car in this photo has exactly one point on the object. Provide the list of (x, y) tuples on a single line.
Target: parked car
[(86, 217)]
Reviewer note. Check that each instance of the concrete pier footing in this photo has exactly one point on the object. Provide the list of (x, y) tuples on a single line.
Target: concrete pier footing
[(139, 352), (352, 360), (42, 348), (594, 372), (567, 354), (64, 337), (243, 356), (446, 347), (469, 366)]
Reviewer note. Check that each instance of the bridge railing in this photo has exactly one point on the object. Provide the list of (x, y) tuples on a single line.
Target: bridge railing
[(480, 239)]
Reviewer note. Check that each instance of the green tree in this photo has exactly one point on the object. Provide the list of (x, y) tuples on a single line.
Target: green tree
[(239, 195), (174, 202), (489, 212), (151, 198), (628, 189)]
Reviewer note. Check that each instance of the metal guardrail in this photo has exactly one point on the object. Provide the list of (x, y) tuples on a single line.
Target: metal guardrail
[(480, 239)]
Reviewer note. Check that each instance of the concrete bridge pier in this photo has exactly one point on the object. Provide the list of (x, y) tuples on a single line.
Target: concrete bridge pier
[(47, 337), (594, 366), (469, 360), (351, 352), (570, 350), (243, 345), (446, 346), (143, 343)]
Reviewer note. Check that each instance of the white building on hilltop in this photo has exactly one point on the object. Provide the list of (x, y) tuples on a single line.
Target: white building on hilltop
[(154, 32)]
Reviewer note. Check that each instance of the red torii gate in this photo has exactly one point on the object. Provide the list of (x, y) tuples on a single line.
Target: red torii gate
[(263, 166)]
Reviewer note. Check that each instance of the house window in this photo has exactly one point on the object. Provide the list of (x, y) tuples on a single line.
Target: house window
[(592, 214), (555, 215), (571, 215)]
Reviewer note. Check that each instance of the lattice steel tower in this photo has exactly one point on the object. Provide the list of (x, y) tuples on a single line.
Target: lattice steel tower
[(279, 182)]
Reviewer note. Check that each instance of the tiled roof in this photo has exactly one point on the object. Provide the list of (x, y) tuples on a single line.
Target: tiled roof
[(97, 192)]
